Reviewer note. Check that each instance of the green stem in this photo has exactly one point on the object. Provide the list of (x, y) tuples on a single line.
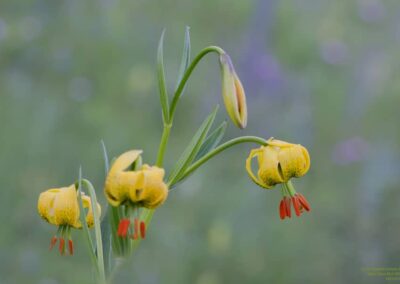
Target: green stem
[(220, 148), (187, 74), (163, 144), (290, 188), (175, 99)]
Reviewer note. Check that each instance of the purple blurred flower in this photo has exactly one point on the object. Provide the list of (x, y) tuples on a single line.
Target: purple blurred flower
[(265, 72), (349, 151), (371, 11), (333, 52), (266, 67)]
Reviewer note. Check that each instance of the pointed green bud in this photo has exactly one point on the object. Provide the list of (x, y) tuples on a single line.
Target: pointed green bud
[(233, 92)]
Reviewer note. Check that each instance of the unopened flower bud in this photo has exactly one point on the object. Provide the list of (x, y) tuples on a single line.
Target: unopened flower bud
[(233, 92)]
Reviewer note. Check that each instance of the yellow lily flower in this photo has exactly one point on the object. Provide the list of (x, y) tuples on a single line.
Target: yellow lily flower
[(278, 162), (136, 188), (59, 206), (119, 180), (143, 188)]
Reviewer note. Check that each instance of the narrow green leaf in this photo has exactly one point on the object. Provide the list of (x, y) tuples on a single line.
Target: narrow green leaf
[(97, 229), (105, 157), (212, 141), (161, 79), (185, 57), (85, 227), (105, 222), (192, 149)]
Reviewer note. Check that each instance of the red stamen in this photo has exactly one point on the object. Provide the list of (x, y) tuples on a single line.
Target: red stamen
[(288, 211), (123, 228), (70, 247), (143, 229), (126, 227), (304, 202), (61, 247), (282, 210), (53, 242), (296, 205)]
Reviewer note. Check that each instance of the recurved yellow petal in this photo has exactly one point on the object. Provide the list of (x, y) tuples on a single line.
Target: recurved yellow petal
[(89, 216), (269, 168), (46, 204), (295, 161), (151, 191), (119, 181), (65, 207), (255, 153), (143, 187), (125, 160), (119, 185)]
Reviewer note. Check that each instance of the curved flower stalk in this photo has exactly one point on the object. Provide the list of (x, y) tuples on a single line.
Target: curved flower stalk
[(59, 207), (232, 89), (278, 162)]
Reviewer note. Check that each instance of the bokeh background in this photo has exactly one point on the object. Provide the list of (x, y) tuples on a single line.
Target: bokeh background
[(317, 72)]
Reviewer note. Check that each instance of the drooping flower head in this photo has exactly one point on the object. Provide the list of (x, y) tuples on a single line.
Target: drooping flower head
[(59, 207), (278, 162), (233, 92), (142, 187)]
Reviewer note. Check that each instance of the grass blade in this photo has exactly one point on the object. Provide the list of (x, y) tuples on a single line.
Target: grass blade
[(185, 57), (105, 222), (161, 79), (105, 157)]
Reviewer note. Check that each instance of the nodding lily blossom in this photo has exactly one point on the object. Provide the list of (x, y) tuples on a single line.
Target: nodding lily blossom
[(59, 206), (143, 187), (278, 162), (233, 92)]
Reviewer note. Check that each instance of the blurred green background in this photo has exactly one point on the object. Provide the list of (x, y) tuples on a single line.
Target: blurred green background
[(317, 72)]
